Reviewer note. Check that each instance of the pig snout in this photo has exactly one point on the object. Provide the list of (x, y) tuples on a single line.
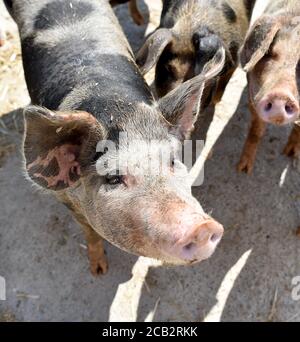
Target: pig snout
[(199, 241), (279, 108)]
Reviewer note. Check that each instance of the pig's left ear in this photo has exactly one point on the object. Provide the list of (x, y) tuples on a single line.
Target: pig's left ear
[(181, 106), (151, 51), (259, 40), (58, 146)]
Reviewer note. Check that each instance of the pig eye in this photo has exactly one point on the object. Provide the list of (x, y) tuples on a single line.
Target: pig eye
[(173, 163), (114, 180), (268, 54), (170, 69)]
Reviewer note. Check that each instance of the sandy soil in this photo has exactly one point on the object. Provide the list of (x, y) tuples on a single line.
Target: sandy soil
[(43, 253)]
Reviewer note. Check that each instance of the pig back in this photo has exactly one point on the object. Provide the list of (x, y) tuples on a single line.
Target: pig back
[(75, 55)]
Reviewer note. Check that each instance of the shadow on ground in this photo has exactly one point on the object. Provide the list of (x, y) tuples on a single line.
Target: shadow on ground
[(42, 250), (260, 217)]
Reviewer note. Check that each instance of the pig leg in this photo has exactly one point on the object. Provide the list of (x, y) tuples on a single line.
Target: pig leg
[(135, 13), (96, 253), (255, 135), (292, 148)]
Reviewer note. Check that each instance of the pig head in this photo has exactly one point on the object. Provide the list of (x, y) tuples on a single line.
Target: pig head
[(145, 213), (189, 35), (270, 57)]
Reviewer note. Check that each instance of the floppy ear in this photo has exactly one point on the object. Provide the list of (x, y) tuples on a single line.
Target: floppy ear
[(58, 146), (154, 46), (258, 41), (181, 106)]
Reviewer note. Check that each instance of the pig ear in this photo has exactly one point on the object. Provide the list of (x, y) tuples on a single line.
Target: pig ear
[(150, 52), (181, 106), (258, 41), (58, 146)]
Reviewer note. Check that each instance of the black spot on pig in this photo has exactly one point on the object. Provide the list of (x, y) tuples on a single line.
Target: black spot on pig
[(110, 87), (62, 12), (167, 15), (249, 5), (229, 13), (41, 63), (258, 35)]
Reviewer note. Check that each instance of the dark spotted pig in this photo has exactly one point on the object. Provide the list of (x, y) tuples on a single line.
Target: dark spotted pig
[(189, 34), (271, 57), (88, 89)]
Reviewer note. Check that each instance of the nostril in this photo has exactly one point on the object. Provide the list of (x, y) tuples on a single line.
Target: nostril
[(289, 109), (189, 246), (215, 237), (268, 107)]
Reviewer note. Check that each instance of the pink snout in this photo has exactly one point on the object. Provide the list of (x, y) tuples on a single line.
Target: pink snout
[(279, 109), (198, 243)]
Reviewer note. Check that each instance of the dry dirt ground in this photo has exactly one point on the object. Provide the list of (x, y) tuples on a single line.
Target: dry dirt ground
[(249, 278)]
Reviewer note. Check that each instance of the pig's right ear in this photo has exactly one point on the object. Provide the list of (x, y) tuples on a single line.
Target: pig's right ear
[(58, 146), (151, 51), (258, 41), (181, 106)]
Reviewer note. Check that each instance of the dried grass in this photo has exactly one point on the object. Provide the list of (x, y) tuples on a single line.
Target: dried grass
[(13, 92)]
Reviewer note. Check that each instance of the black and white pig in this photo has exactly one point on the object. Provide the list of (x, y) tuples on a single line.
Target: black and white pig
[(189, 35), (87, 88)]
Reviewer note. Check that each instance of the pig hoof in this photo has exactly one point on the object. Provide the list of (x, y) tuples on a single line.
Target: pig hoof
[(245, 165), (292, 150), (135, 13), (97, 257), (99, 268)]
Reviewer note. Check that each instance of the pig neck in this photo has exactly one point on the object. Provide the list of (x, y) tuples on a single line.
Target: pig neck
[(113, 91), (117, 95)]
